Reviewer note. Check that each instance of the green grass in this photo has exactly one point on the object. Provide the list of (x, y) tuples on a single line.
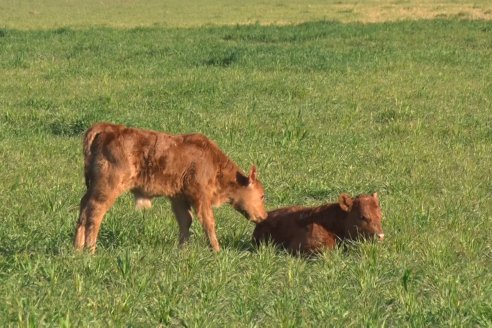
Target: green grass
[(51, 14), (322, 108)]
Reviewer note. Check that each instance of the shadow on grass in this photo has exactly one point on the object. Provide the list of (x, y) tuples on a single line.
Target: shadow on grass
[(51, 245), (222, 59), (239, 244), (346, 249), (68, 129)]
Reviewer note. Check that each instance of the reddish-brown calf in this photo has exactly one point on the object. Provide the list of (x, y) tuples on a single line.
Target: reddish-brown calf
[(189, 169), (306, 230)]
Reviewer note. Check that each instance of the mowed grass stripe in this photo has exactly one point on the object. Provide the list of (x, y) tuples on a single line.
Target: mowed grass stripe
[(49, 14)]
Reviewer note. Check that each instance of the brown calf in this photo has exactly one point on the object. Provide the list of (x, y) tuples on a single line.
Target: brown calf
[(189, 169), (306, 230)]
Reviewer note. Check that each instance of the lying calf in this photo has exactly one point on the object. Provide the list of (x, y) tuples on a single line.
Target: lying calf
[(306, 230)]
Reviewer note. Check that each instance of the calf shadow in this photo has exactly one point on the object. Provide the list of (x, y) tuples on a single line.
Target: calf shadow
[(244, 244), (346, 248)]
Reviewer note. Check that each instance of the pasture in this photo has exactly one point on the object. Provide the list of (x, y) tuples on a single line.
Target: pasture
[(321, 107)]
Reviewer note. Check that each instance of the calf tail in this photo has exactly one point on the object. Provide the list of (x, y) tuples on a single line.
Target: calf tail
[(89, 138)]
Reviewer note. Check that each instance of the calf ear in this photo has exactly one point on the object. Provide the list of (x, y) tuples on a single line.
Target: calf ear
[(345, 202), (241, 179), (375, 196), (252, 174)]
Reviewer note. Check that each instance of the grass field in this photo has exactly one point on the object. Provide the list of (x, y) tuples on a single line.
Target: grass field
[(402, 108), (33, 14)]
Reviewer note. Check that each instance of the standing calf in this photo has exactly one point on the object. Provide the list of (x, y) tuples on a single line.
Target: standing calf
[(306, 230), (189, 169)]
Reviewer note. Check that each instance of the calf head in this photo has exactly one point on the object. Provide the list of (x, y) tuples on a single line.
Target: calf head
[(363, 216), (249, 197)]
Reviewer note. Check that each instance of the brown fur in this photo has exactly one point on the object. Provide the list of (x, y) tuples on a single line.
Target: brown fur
[(306, 230), (189, 169)]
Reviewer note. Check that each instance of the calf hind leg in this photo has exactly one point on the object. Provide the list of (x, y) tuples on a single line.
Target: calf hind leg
[(97, 209), (79, 240), (93, 207)]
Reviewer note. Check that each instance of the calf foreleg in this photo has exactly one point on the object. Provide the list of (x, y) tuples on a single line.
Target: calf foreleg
[(206, 216)]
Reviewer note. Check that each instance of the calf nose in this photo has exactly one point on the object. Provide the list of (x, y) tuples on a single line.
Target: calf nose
[(380, 236), (259, 218)]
